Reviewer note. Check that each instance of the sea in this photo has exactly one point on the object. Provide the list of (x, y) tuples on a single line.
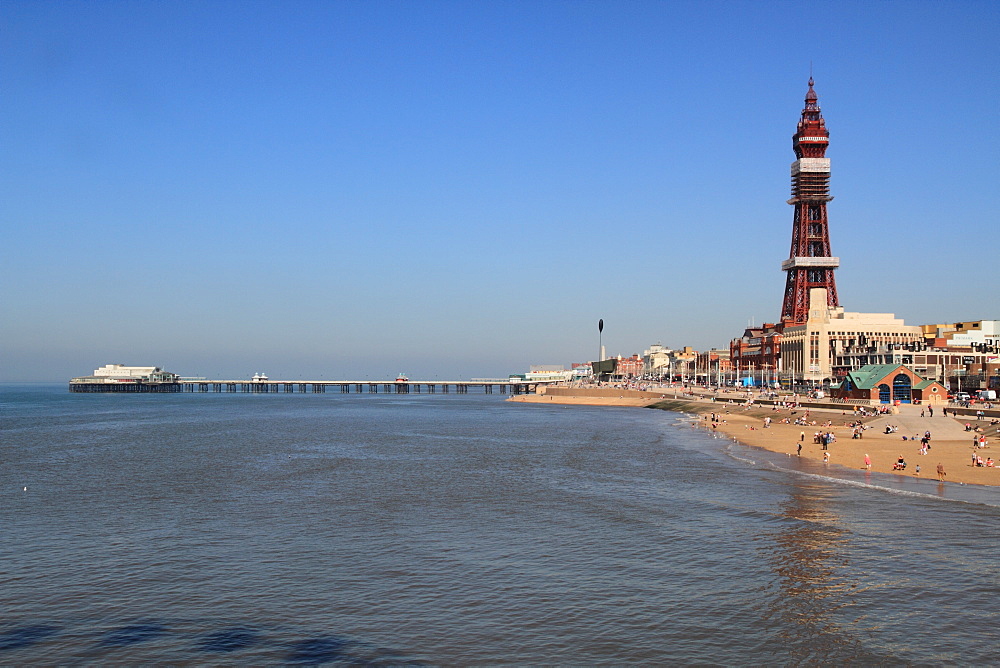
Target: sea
[(462, 529)]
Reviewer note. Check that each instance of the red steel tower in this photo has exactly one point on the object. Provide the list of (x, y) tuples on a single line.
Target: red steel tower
[(809, 264)]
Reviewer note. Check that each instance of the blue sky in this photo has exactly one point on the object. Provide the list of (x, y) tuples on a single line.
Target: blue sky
[(461, 189)]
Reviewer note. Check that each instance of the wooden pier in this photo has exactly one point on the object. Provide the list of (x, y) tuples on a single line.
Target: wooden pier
[(489, 386)]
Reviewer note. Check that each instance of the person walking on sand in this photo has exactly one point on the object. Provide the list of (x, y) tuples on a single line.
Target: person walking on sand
[(940, 470), (868, 462), (798, 452), (930, 410), (917, 472)]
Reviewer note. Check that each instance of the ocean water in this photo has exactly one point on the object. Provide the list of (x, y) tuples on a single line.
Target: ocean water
[(460, 530)]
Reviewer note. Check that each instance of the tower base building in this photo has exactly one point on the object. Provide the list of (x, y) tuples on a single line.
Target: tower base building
[(809, 351)]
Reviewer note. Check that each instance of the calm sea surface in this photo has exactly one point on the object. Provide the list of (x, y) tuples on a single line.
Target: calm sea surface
[(460, 529)]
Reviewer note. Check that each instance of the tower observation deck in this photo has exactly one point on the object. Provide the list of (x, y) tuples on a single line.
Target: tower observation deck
[(809, 264)]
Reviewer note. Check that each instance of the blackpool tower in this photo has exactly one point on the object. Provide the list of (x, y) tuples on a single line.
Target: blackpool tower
[(809, 264)]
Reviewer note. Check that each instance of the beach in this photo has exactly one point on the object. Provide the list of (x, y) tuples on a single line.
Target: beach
[(950, 443)]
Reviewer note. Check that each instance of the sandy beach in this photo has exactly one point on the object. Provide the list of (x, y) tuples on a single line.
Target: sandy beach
[(950, 443)]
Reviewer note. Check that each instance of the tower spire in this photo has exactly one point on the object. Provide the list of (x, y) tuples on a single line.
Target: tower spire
[(809, 264)]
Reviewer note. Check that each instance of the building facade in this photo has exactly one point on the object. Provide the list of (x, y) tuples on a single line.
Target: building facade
[(889, 383), (757, 355), (656, 360), (809, 351), (713, 367), (119, 373), (981, 335)]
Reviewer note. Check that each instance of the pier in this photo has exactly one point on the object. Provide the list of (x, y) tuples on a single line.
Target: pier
[(488, 386)]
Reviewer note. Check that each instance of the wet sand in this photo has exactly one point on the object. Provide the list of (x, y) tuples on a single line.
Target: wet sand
[(950, 444)]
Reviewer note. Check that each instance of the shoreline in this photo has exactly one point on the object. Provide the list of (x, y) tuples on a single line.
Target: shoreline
[(950, 444)]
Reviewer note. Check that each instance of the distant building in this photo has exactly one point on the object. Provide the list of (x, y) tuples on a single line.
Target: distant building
[(682, 363), (757, 354), (656, 360), (122, 371), (713, 366), (119, 373), (629, 367), (548, 372), (976, 334), (662, 362), (603, 370)]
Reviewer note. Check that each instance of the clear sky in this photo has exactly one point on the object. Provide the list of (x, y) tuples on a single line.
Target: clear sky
[(349, 190)]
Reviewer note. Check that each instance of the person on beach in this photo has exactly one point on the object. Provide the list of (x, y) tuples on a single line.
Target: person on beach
[(826, 457), (940, 471), (930, 411), (798, 452), (917, 472), (868, 462)]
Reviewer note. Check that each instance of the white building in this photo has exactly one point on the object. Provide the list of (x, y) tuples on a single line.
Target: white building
[(548, 372), (119, 373), (122, 371), (961, 334), (808, 351), (656, 360)]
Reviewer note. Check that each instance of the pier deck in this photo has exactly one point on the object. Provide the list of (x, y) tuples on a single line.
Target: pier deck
[(489, 386)]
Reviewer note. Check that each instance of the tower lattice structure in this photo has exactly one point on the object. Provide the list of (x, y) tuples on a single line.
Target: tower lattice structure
[(809, 264)]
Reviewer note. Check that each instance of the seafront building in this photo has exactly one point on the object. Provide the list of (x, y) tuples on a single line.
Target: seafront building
[(119, 373), (757, 354), (681, 364), (656, 360), (889, 383), (958, 369), (555, 373), (809, 350), (713, 366), (979, 335), (817, 342)]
